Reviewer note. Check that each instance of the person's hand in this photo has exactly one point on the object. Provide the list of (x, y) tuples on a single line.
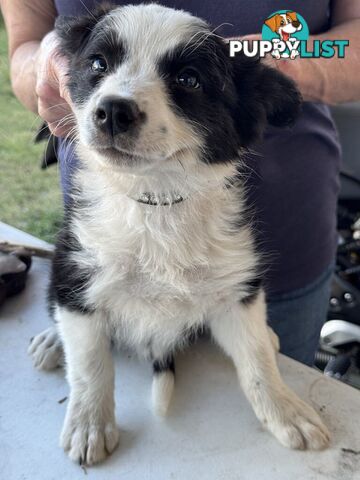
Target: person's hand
[(54, 102)]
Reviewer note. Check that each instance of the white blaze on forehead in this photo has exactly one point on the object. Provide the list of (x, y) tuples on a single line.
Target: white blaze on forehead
[(149, 31), (283, 15)]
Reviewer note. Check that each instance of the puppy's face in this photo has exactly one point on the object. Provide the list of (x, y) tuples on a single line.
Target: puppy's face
[(152, 84), (284, 24), (288, 24)]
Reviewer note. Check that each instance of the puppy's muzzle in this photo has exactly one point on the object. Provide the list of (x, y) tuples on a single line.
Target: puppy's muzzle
[(118, 115)]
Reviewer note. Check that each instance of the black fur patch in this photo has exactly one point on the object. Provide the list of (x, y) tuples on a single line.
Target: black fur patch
[(264, 95), (75, 31), (237, 98), (167, 363), (209, 103), (82, 40), (68, 282), (253, 287)]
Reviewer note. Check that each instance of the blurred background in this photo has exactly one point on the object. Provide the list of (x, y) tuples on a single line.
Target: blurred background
[(30, 198)]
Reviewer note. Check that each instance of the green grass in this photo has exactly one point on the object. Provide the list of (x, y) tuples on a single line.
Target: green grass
[(30, 198)]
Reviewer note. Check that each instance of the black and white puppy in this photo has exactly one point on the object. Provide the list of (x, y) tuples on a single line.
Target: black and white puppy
[(156, 242)]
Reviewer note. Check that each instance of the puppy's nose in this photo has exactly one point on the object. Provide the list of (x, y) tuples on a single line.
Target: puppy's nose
[(296, 23), (117, 115)]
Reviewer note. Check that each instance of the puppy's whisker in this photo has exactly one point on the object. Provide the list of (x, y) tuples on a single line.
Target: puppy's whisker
[(206, 36)]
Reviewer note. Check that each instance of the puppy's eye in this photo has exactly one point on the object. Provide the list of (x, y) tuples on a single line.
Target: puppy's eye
[(282, 22), (98, 65), (189, 79)]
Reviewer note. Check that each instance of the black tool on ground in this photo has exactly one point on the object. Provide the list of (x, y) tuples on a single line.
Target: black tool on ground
[(337, 367), (339, 351), (15, 262), (13, 274)]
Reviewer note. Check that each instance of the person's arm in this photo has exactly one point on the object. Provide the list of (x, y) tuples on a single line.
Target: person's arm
[(38, 72), (27, 22), (330, 80)]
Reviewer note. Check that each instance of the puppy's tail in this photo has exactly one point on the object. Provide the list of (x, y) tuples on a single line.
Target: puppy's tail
[(163, 385)]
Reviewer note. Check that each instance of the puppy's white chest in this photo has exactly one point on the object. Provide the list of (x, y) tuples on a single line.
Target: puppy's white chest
[(158, 273), (151, 307), (127, 286)]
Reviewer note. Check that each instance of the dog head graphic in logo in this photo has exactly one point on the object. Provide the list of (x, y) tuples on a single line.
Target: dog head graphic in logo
[(284, 25)]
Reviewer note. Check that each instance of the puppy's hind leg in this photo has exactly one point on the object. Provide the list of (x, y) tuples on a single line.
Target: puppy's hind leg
[(242, 332), (46, 350), (163, 385)]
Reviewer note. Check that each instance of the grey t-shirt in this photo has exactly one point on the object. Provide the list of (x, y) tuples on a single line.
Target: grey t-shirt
[(293, 177)]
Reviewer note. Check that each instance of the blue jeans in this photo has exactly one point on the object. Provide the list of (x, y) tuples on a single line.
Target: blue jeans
[(298, 316)]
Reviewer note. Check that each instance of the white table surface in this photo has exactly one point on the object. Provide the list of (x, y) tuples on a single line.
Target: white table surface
[(210, 433)]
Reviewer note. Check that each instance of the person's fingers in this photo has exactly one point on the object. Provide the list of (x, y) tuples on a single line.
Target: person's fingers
[(57, 113), (62, 129), (60, 67), (52, 112), (270, 61), (53, 73), (54, 102), (46, 92), (59, 131), (64, 93)]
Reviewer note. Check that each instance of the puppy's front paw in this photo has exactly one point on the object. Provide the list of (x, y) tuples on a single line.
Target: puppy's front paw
[(296, 425), (86, 437)]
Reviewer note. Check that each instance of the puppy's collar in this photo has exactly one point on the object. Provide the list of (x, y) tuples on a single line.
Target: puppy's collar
[(148, 198)]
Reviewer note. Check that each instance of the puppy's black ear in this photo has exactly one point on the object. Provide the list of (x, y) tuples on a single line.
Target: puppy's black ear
[(281, 98), (265, 96), (75, 30)]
